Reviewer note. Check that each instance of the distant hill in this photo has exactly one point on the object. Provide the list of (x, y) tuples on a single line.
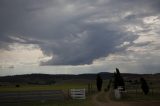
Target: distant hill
[(51, 79), (46, 78)]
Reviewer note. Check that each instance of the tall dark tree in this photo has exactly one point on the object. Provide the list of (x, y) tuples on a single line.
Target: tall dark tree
[(144, 86), (115, 81), (118, 80), (99, 82)]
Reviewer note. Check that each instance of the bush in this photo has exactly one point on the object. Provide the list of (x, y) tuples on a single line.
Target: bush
[(17, 85)]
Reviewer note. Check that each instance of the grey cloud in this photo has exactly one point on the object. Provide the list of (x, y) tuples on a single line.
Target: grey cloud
[(65, 34), (95, 43)]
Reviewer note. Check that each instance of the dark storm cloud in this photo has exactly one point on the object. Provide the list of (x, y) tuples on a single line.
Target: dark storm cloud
[(97, 41), (73, 32)]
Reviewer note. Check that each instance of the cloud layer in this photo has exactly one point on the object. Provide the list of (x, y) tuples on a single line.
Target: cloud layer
[(83, 31)]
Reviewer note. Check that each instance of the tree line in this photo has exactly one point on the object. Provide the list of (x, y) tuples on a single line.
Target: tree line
[(118, 81)]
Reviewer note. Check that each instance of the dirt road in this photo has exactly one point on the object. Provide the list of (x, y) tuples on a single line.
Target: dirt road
[(110, 102)]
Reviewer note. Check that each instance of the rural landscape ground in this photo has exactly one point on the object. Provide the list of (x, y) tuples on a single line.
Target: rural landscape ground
[(133, 97)]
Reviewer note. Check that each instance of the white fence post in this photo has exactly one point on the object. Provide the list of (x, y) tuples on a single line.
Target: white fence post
[(78, 93), (119, 92)]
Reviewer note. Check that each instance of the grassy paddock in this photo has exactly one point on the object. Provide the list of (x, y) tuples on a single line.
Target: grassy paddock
[(59, 86), (64, 86), (86, 102)]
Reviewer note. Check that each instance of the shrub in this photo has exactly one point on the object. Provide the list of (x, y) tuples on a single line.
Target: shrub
[(17, 85)]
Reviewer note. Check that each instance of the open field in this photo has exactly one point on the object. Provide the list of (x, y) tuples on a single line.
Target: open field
[(86, 102), (40, 87), (59, 86), (133, 96), (64, 86)]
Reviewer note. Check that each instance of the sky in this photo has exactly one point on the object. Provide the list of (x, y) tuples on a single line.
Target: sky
[(79, 36)]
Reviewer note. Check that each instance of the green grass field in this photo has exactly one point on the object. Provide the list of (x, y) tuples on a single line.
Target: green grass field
[(59, 86), (63, 86), (129, 96), (86, 102)]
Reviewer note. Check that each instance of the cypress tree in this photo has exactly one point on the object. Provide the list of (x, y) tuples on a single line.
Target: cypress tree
[(115, 81), (144, 86), (118, 79), (99, 82)]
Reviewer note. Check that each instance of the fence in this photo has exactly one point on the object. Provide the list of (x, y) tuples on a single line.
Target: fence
[(78, 93), (137, 90), (31, 96)]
